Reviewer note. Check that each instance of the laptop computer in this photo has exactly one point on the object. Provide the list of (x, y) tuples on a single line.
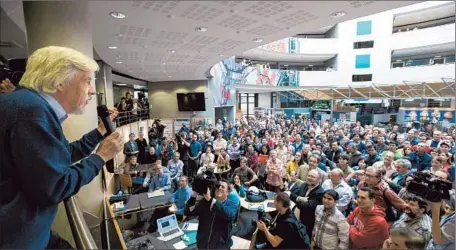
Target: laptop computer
[(168, 227)]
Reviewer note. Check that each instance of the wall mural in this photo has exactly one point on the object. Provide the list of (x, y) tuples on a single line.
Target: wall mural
[(227, 73), (280, 46)]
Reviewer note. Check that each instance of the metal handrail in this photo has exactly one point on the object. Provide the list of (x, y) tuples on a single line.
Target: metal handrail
[(81, 232), (127, 117)]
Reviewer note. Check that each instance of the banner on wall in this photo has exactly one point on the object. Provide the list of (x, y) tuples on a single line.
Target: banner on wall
[(200, 122), (444, 116), (280, 46), (179, 122), (353, 116)]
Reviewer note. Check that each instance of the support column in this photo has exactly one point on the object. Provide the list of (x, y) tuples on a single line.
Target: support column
[(67, 24), (103, 84)]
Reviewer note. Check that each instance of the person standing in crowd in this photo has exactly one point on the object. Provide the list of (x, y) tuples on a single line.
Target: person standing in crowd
[(275, 173), (331, 228), (130, 148), (56, 83), (215, 217), (404, 238), (142, 147), (368, 227), (246, 174), (219, 144), (175, 167), (181, 196), (337, 183), (194, 153), (309, 197), (234, 151)]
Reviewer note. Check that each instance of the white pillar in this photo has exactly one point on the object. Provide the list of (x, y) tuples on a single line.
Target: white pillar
[(67, 24), (103, 83)]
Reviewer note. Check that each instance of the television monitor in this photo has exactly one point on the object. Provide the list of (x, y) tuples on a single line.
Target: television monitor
[(191, 101)]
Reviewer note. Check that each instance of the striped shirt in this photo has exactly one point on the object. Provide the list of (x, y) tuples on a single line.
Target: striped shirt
[(330, 231)]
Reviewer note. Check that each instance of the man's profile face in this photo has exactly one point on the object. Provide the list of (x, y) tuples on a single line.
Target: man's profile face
[(77, 93), (222, 191), (182, 182), (328, 201)]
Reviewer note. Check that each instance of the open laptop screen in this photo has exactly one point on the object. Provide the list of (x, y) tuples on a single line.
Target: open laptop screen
[(167, 223)]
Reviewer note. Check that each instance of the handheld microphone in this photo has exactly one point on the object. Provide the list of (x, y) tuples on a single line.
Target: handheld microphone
[(103, 113)]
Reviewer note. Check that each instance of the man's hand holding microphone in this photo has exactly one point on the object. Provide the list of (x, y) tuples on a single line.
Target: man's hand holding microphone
[(112, 144)]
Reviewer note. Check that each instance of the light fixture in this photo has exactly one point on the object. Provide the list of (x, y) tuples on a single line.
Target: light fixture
[(120, 35), (258, 40), (118, 15), (118, 62), (121, 84), (145, 46), (201, 29), (286, 65), (437, 56), (221, 55), (409, 100), (398, 60), (112, 47), (169, 76), (171, 51), (338, 14), (310, 65)]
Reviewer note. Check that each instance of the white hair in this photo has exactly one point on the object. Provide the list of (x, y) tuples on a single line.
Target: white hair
[(51, 66)]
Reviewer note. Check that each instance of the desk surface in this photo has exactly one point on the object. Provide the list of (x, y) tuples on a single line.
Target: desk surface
[(157, 201), (132, 205), (162, 244)]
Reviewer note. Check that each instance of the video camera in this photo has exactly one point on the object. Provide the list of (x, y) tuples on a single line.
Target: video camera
[(428, 187), (204, 181), (262, 217)]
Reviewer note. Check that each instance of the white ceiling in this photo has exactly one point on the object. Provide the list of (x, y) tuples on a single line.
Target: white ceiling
[(154, 27), (272, 56)]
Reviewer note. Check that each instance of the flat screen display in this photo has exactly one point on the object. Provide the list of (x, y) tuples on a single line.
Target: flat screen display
[(191, 101)]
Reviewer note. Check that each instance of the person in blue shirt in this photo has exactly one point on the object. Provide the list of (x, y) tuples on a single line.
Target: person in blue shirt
[(229, 131), (39, 168), (181, 196), (175, 167), (161, 180), (194, 154), (420, 159)]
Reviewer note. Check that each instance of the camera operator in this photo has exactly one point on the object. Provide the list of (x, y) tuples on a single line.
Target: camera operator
[(38, 168), (443, 229), (286, 231), (215, 216)]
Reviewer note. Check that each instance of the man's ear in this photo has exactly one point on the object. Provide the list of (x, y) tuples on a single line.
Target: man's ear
[(60, 88)]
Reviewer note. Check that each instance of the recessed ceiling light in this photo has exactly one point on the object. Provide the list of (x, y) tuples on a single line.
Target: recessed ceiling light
[(119, 62), (221, 55), (118, 15), (112, 47), (310, 65), (201, 29), (338, 14), (169, 76), (171, 16), (121, 84), (120, 34), (163, 63), (145, 46), (258, 40), (171, 51)]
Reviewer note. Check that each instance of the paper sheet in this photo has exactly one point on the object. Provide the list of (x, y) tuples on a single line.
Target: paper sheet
[(190, 227), (156, 193), (179, 245)]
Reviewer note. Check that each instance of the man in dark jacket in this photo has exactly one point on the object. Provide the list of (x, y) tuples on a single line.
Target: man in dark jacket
[(215, 216), (309, 197), (39, 168)]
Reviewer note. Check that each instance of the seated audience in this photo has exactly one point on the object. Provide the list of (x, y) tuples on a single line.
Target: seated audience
[(368, 227), (238, 186), (161, 180), (293, 183), (331, 228), (246, 174)]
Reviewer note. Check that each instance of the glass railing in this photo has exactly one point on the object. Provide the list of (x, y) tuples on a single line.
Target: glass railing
[(128, 117)]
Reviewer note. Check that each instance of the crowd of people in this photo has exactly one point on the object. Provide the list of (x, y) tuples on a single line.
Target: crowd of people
[(349, 182)]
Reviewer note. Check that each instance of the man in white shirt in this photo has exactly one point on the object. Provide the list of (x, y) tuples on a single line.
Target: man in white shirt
[(337, 183), (219, 144)]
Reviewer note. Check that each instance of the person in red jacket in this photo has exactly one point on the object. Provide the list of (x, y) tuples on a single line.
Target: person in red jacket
[(368, 227)]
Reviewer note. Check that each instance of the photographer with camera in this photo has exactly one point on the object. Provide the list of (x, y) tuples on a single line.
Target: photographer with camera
[(215, 217), (286, 231)]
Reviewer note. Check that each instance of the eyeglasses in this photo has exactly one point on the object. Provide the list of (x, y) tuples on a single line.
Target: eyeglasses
[(371, 176)]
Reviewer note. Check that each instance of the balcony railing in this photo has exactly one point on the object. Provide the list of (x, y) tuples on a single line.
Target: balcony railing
[(81, 232), (132, 116)]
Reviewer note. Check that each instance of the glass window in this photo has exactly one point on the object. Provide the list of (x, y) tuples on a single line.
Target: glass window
[(364, 28), (449, 59), (362, 61)]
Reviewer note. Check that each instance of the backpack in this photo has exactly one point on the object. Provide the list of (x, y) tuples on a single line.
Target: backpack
[(252, 197), (301, 229), (391, 213)]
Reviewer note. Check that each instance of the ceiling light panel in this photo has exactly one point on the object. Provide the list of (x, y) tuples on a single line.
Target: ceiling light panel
[(201, 12), (266, 9), (296, 18), (264, 30), (231, 43), (237, 22), (164, 7)]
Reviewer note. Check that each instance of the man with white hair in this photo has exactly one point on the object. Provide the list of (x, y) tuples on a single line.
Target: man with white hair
[(337, 183), (38, 166)]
